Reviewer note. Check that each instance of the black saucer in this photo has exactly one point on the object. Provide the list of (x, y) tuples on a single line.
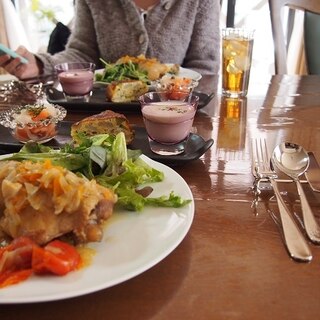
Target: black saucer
[(196, 145)]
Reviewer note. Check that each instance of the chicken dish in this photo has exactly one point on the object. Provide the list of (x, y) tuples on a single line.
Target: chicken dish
[(43, 202)]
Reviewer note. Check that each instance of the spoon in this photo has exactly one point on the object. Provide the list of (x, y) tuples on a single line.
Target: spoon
[(293, 160)]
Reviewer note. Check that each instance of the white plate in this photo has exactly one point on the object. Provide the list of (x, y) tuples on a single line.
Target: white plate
[(188, 73), (183, 72), (133, 242)]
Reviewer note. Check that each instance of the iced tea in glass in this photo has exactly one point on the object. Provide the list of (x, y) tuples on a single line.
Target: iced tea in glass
[(237, 45)]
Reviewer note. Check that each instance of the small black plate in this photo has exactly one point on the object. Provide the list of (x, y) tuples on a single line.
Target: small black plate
[(196, 145), (98, 101), (195, 148)]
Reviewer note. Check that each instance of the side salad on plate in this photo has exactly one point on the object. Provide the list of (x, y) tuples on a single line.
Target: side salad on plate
[(134, 68), (107, 159)]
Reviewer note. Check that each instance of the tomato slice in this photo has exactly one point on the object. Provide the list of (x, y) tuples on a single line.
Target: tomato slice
[(22, 257), (12, 277), (17, 255), (21, 134), (15, 261), (36, 133), (175, 95), (57, 257)]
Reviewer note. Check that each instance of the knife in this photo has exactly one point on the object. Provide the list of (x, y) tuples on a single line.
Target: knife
[(313, 173)]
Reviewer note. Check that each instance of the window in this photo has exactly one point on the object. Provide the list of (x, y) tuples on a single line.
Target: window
[(255, 14), (39, 18)]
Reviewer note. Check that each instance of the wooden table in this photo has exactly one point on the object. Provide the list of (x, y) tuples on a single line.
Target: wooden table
[(232, 264)]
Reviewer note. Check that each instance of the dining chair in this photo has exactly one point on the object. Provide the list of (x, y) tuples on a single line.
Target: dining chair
[(312, 43), (231, 4), (311, 33)]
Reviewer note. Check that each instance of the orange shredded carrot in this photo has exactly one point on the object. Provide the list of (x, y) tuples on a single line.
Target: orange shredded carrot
[(32, 177), (57, 188), (47, 164)]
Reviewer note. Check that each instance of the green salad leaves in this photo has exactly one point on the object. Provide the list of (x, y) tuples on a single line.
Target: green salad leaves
[(106, 158), (121, 71)]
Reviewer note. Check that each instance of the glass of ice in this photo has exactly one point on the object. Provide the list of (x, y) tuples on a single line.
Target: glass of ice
[(168, 121), (237, 45)]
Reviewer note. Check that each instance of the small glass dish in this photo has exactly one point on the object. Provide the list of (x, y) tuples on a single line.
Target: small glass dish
[(33, 122), (174, 84)]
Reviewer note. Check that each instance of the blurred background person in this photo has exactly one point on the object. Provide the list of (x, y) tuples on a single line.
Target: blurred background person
[(184, 32)]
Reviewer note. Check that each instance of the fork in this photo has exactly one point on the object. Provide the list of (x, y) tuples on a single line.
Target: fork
[(295, 242)]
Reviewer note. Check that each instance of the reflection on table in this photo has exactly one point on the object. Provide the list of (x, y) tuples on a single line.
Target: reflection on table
[(232, 126), (232, 264)]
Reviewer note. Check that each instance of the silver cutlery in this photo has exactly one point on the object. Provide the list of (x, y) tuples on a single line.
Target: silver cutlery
[(313, 173), (295, 242), (293, 160)]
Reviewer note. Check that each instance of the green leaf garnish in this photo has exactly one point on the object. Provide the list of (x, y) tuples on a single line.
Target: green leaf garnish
[(106, 159)]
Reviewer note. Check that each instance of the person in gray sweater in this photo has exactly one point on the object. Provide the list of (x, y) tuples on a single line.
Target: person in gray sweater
[(184, 32)]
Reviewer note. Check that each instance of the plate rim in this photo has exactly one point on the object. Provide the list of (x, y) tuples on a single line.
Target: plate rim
[(8, 295)]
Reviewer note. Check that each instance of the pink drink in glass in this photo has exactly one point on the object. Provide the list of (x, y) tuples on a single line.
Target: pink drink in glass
[(168, 122), (76, 82)]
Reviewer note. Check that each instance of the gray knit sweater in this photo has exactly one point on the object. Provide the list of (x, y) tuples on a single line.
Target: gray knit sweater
[(185, 32)]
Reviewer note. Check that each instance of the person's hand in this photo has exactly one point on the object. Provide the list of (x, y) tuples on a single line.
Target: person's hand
[(20, 70)]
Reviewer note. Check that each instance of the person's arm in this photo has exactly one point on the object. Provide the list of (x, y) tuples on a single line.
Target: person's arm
[(203, 54), (21, 70), (82, 44)]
